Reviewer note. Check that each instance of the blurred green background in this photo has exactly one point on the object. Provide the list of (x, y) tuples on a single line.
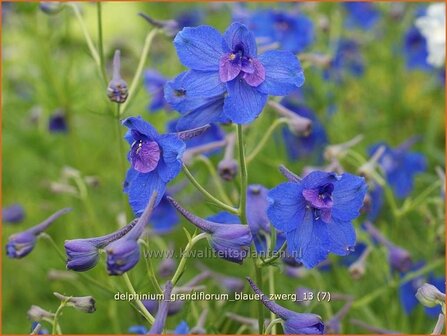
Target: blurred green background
[(46, 66)]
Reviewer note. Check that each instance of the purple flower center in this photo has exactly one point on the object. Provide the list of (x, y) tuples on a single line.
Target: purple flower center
[(320, 200), (144, 155), (238, 61)]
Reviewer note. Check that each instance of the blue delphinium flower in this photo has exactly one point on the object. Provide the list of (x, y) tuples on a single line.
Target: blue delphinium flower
[(57, 123), (316, 214), (230, 241), (155, 160), (189, 18), (293, 32), (415, 50), (138, 329), (347, 59), (83, 254), (409, 288), (154, 83), (400, 166), (21, 244), (13, 214), (124, 253), (294, 323), (228, 81), (299, 146), (375, 201), (361, 14), (164, 217), (182, 328)]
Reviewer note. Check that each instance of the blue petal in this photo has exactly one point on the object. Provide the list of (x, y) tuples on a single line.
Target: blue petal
[(283, 73), (141, 188), (141, 126), (172, 150), (341, 236), (287, 206), (224, 217), (407, 297), (203, 84), (244, 103), (238, 34), (164, 217), (131, 174), (210, 111), (199, 48), (348, 196), (318, 178), (182, 328)]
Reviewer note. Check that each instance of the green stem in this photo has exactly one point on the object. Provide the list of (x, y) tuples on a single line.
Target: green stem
[(244, 175), (181, 266), (277, 255), (100, 42), (265, 138), (56, 328), (271, 292), (136, 79), (258, 275), (215, 178), (150, 270), (270, 330), (421, 197), (206, 193), (141, 308)]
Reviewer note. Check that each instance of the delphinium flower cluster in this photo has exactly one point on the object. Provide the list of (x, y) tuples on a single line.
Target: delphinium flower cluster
[(246, 177)]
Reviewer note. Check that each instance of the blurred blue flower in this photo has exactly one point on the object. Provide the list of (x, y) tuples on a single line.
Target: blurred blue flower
[(415, 50), (357, 251), (155, 160), (363, 15), (293, 32), (57, 123), (347, 59), (42, 331), (230, 241), (182, 328), (164, 218), (138, 329), (189, 18), (294, 323), (408, 289), (316, 214), (300, 146), (228, 81), (375, 201), (400, 165), (13, 214), (154, 83), (21, 244)]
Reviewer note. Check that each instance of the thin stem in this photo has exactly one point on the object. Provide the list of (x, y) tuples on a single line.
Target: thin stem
[(100, 42), (271, 292), (142, 309), (258, 275), (270, 330), (150, 270), (265, 138), (215, 178), (136, 79), (56, 328), (181, 266), (439, 325), (244, 175), (277, 255), (206, 193)]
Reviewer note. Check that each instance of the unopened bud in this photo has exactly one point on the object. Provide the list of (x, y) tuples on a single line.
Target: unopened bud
[(117, 90), (169, 27), (430, 296), (51, 7), (228, 167), (337, 151), (82, 303), (36, 313)]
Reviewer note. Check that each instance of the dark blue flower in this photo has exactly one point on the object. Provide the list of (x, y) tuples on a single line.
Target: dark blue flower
[(408, 289), (293, 32), (13, 214), (228, 81), (316, 214), (154, 83), (347, 59), (294, 323), (299, 146), (229, 241), (57, 123), (189, 18), (415, 50), (155, 160), (182, 328), (164, 218), (162, 314), (21, 244), (374, 201), (138, 329), (83, 254), (400, 165), (361, 14)]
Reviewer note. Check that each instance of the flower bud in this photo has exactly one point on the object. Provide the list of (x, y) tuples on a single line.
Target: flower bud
[(169, 27), (82, 303), (228, 167), (117, 90), (51, 7), (338, 151), (430, 296), (35, 313), (13, 214), (298, 125)]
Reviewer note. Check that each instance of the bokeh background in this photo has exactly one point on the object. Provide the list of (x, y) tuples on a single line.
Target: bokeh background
[(47, 68)]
